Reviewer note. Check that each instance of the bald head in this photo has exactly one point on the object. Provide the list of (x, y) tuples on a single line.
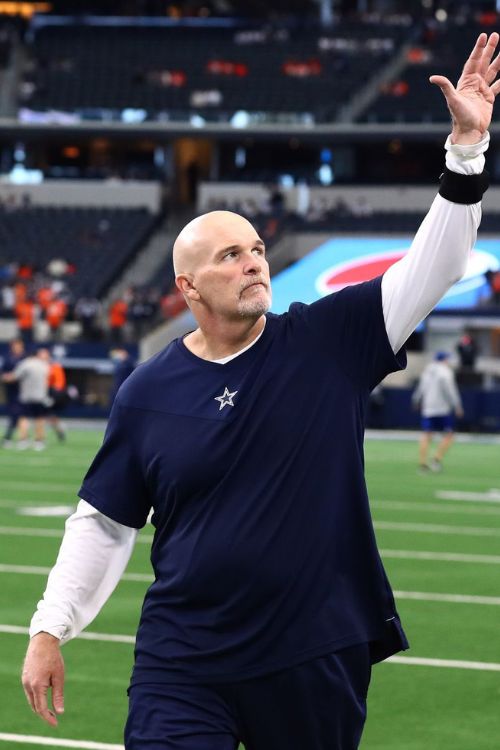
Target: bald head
[(204, 234)]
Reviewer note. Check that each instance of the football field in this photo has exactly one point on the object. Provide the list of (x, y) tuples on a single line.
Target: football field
[(439, 535)]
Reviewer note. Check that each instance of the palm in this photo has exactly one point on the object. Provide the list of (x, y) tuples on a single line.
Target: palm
[(471, 102)]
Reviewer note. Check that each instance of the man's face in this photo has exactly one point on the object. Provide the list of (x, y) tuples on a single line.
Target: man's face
[(232, 277)]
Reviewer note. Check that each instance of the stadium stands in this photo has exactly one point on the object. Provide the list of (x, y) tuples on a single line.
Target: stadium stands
[(171, 72), (97, 242), (410, 98)]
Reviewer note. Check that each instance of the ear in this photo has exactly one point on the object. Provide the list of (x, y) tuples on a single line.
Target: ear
[(184, 282)]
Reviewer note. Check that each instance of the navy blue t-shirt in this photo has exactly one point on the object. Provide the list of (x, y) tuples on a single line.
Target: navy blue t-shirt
[(264, 552)]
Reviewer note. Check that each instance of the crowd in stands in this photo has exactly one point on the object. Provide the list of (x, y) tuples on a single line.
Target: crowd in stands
[(30, 297)]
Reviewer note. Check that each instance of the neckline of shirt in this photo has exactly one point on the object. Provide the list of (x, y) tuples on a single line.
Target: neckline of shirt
[(224, 361)]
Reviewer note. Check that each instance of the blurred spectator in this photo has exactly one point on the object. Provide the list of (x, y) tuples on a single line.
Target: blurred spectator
[(141, 311), (467, 351), (117, 318), (25, 318), (87, 311), (7, 301), (55, 315), (439, 401), (13, 408), (123, 366), (57, 396), (32, 374)]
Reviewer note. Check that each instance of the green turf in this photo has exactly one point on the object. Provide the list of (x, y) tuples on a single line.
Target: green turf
[(410, 707)]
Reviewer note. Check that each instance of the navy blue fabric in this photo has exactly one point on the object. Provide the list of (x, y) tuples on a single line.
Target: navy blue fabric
[(9, 364), (442, 423), (264, 552), (319, 705)]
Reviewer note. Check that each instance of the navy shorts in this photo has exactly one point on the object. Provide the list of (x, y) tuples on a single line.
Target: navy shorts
[(318, 705), (444, 423), (32, 409)]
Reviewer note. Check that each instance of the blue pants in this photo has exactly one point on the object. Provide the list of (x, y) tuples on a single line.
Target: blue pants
[(318, 705)]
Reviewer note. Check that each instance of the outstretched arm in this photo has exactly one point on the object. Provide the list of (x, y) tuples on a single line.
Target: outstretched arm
[(439, 253)]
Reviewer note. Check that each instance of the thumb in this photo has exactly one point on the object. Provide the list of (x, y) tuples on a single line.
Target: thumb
[(444, 84)]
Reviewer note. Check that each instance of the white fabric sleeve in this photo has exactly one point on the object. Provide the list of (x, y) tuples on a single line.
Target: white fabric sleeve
[(438, 255), (94, 553)]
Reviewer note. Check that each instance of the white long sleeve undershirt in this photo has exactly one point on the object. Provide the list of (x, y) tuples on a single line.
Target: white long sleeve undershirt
[(95, 549)]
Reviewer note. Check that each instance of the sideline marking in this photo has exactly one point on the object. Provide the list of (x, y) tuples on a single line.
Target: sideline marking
[(434, 528), (38, 570), (419, 661), (492, 496), (30, 739), (404, 554), (425, 596)]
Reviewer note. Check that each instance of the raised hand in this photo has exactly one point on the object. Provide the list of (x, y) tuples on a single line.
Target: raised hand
[(471, 102)]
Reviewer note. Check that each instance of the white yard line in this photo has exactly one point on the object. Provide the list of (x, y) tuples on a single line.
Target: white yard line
[(30, 739), (405, 554), (37, 570), (417, 661), (424, 596), (433, 528), (491, 496), (407, 660)]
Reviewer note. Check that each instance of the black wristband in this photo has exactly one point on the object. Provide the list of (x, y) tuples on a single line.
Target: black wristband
[(463, 188)]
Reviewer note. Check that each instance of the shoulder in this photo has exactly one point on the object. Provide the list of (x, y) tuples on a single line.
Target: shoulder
[(148, 377)]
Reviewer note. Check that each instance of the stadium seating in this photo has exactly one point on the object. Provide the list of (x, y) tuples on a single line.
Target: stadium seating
[(172, 72), (411, 98), (97, 242)]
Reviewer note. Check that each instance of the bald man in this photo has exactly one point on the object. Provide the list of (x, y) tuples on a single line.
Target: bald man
[(270, 602)]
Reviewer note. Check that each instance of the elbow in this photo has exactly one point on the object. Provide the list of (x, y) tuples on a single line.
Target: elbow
[(458, 271)]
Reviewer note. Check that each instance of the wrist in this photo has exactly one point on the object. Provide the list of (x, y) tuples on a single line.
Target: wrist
[(466, 137), (42, 635)]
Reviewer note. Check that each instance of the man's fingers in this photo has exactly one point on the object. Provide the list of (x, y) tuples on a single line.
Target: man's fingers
[(488, 53), (58, 694), (444, 84), (474, 62), (493, 69), (41, 707), (495, 88)]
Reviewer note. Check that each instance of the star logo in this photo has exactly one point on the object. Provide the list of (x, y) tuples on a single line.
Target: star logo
[(226, 399)]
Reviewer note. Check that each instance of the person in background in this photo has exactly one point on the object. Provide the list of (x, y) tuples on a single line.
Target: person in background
[(32, 373), (25, 317), (15, 355), (57, 396), (117, 318), (123, 366), (439, 401)]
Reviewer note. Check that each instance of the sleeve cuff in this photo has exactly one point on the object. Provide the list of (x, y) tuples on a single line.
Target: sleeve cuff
[(466, 160)]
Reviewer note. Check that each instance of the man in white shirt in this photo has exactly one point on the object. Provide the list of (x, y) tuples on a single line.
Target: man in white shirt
[(439, 401)]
